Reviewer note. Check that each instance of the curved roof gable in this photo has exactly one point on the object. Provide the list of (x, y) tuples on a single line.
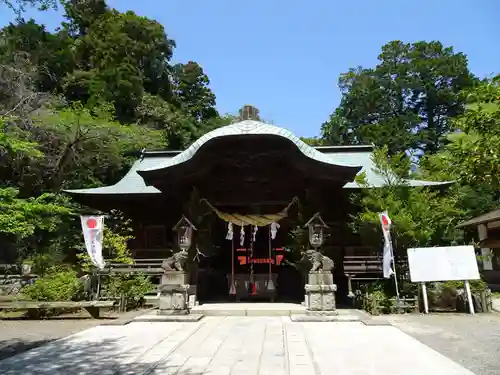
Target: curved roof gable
[(249, 127)]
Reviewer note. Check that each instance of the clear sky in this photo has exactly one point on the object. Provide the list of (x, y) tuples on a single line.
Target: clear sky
[(285, 56)]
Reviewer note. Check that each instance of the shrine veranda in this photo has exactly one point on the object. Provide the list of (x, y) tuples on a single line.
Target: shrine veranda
[(253, 174)]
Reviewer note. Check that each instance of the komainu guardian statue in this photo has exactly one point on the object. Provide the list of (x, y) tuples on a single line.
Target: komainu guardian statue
[(320, 262), (175, 262)]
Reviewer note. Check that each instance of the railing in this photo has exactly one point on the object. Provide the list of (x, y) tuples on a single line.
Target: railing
[(147, 266), (359, 264), (368, 264)]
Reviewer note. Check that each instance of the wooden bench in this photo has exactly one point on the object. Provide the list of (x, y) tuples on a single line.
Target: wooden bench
[(93, 307)]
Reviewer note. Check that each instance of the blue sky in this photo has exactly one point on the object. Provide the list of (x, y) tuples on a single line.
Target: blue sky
[(285, 56)]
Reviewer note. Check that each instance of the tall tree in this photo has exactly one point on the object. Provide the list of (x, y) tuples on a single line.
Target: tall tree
[(190, 84), (472, 155), (406, 102), (120, 56)]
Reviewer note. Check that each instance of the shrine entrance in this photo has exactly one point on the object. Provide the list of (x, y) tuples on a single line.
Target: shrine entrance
[(251, 262)]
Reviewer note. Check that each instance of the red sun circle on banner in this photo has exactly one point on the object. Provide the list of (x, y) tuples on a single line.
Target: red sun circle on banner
[(385, 222), (91, 223)]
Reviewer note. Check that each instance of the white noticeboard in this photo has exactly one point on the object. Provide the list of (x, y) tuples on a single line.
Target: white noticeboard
[(443, 263)]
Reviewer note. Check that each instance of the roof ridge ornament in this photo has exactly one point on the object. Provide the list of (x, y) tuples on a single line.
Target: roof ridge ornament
[(249, 112)]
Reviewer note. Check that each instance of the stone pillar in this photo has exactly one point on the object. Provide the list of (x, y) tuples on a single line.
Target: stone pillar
[(320, 293), (174, 293)]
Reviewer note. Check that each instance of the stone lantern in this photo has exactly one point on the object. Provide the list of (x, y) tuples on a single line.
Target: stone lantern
[(316, 227), (174, 290), (184, 230), (320, 288)]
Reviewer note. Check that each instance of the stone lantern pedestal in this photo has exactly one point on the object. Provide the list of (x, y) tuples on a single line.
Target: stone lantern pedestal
[(320, 293), (174, 291)]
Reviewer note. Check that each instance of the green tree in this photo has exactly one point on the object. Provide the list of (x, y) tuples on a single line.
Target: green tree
[(422, 216), (406, 102), (24, 222), (192, 93), (90, 145), (76, 102), (472, 154), (120, 56), (312, 141)]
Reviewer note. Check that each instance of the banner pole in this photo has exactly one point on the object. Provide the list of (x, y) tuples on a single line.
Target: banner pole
[(394, 267), (98, 284)]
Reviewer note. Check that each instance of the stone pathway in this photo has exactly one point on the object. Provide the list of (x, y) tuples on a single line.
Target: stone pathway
[(235, 346)]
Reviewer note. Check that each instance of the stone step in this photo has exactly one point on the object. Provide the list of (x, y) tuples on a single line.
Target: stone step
[(169, 318), (248, 309)]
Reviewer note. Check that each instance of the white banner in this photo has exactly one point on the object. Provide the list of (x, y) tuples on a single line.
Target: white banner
[(387, 254), (93, 230)]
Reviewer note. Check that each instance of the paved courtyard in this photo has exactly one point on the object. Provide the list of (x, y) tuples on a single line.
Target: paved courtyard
[(472, 341), (235, 345)]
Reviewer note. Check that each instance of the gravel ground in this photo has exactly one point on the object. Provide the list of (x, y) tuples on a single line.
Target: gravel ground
[(472, 341), (18, 335)]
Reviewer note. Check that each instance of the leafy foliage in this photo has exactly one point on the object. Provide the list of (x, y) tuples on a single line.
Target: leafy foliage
[(59, 284), (74, 107), (421, 216), (24, 217), (472, 153), (133, 287), (406, 102)]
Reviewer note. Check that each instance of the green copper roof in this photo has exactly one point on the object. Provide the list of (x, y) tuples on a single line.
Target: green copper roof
[(247, 127), (131, 183), (353, 156), (362, 155)]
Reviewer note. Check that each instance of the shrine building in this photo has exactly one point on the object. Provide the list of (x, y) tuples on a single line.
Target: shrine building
[(267, 183)]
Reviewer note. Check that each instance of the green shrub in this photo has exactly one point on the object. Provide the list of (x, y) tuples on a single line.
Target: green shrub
[(133, 287), (58, 284), (443, 295)]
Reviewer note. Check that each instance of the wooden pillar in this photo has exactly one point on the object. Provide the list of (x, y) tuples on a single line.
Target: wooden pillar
[(482, 231)]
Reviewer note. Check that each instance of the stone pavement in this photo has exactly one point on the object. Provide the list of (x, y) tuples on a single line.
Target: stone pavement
[(236, 346)]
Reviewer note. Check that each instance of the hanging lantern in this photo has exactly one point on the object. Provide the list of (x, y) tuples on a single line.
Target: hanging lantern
[(316, 227), (184, 230)]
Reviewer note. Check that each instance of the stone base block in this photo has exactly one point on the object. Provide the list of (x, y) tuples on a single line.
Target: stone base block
[(174, 300), (320, 278), (320, 297), (174, 278)]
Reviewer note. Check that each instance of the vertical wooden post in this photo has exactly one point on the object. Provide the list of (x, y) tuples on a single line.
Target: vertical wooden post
[(270, 283), (232, 289), (482, 231)]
